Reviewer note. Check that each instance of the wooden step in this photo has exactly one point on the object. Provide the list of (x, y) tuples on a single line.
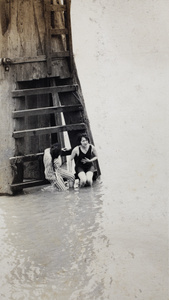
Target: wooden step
[(48, 130), (27, 184), (44, 90), (33, 157), (25, 158), (46, 110)]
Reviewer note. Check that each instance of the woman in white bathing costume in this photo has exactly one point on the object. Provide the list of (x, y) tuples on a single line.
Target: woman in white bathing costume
[(84, 155), (54, 172)]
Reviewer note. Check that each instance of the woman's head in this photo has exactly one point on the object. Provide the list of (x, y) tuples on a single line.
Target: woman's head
[(55, 150), (83, 139)]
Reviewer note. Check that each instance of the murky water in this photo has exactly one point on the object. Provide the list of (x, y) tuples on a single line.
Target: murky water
[(48, 244), (87, 244)]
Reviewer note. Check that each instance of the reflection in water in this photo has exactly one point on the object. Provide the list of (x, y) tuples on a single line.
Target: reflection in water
[(50, 242)]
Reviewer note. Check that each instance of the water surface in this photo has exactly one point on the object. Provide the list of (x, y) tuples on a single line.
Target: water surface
[(87, 244)]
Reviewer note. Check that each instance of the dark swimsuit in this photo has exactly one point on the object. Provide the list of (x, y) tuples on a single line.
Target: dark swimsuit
[(79, 166)]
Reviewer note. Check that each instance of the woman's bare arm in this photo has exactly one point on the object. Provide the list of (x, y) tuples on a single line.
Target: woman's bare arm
[(95, 154), (73, 154)]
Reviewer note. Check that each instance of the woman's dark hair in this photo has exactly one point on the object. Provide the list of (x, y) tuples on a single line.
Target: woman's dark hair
[(83, 135), (55, 151)]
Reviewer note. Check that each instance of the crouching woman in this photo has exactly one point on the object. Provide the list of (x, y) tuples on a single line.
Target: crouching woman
[(54, 171)]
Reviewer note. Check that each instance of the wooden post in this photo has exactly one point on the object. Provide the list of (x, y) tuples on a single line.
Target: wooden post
[(48, 37), (58, 119), (69, 36)]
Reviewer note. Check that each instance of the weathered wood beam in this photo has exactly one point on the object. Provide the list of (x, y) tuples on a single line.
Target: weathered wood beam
[(69, 36), (39, 58), (58, 31), (22, 60), (48, 130), (48, 37), (57, 8), (25, 158), (33, 157), (57, 117), (44, 90), (46, 110), (27, 184), (60, 54)]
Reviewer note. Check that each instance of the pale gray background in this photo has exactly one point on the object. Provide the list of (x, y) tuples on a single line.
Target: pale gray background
[(121, 50)]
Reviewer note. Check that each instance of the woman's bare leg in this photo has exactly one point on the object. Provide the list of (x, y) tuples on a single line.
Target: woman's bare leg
[(89, 178), (82, 177)]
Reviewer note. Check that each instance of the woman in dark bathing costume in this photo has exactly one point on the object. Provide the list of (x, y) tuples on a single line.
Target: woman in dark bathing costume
[(84, 155)]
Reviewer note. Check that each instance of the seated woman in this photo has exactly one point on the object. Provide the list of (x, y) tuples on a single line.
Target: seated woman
[(54, 173), (84, 155)]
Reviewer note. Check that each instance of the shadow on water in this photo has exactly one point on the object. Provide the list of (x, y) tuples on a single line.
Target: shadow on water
[(49, 243)]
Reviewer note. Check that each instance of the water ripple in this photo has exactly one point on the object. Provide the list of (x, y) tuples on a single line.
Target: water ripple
[(48, 242)]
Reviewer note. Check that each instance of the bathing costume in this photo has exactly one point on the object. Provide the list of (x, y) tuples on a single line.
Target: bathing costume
[(79, 165)]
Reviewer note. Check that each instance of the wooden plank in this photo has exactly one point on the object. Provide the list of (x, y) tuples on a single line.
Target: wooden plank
[(17, 171), (32, 157), (48, 130), (48, 38), (44, 90), (46, 110), (22, 60), (60, 54), (69, 36), (27, 184), (58, 31), (58, 118), (48, 51), (25, 158), (74, 117), (26, 125), (39, 58), (57, 8)]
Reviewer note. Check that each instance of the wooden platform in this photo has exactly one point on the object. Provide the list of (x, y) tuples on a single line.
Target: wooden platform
[(48, 101)]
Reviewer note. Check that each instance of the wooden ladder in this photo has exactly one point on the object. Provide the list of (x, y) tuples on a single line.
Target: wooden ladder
[(65, 101), (64, 33), (46, 102)]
